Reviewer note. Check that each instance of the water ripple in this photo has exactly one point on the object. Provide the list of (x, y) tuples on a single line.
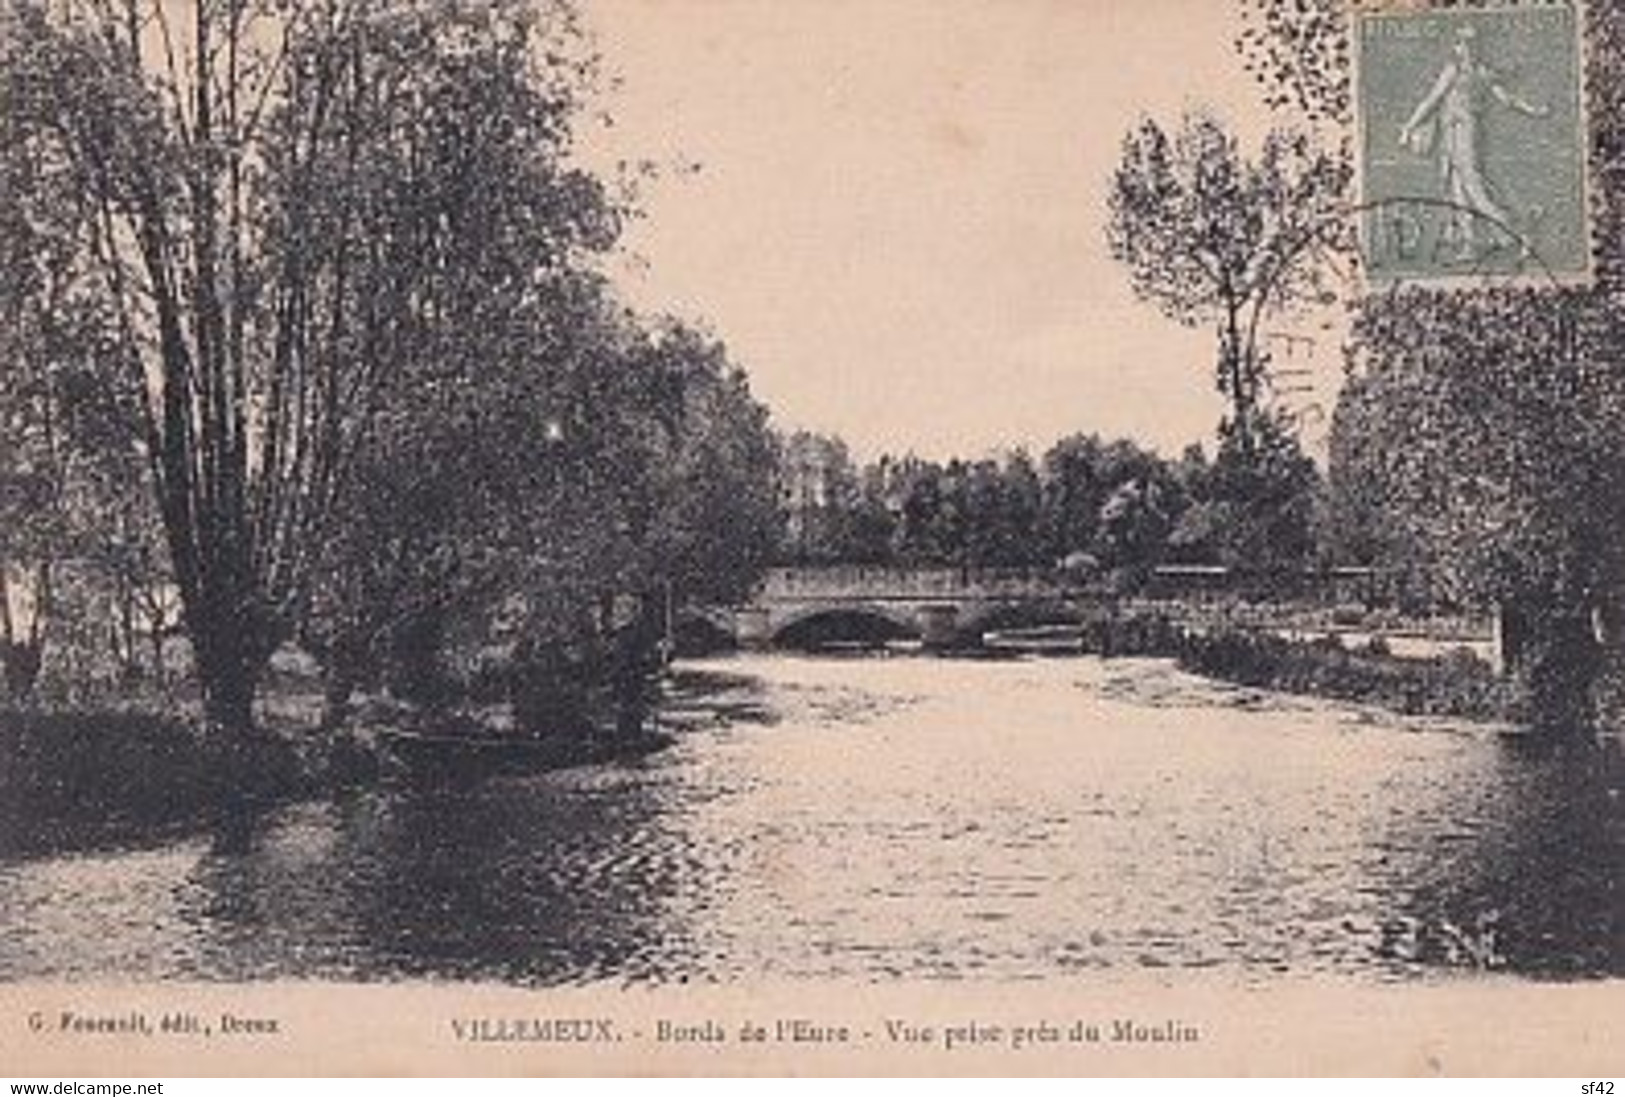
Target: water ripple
[(900, 819)]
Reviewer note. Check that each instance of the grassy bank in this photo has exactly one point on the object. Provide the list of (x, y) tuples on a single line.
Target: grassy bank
[(123, 767), (77, 777), (1457, 684), (82, 777)]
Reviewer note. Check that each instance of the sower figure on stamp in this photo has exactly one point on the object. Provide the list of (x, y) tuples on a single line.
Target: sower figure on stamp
[(1455, 106)]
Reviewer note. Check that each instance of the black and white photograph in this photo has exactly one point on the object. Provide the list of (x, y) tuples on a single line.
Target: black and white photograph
[(812, 536)]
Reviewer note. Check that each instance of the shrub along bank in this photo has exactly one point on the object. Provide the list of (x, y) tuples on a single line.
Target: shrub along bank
[(1456, 684)]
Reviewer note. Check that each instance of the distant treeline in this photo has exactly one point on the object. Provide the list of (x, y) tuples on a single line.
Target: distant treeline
[(1088, 504)]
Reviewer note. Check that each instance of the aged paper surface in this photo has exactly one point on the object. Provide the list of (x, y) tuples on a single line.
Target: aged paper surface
[(1010, 118)]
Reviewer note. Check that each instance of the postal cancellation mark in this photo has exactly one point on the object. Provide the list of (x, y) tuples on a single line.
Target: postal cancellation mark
[(1472, 140)]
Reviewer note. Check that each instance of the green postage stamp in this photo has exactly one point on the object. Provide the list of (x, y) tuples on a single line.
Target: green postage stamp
[(1472, 143)]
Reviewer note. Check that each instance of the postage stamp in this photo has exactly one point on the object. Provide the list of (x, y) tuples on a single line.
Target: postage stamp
[(1472, 143)]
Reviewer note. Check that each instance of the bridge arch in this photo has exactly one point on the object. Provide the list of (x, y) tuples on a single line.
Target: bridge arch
[(702, 631), (856, 623)]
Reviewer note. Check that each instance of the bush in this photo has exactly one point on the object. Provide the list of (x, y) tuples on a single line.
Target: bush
[(80, 778), (95, 774), (1133, 635), (1457, 684)]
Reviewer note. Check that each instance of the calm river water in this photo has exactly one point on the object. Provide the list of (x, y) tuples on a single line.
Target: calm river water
[(912, 818)]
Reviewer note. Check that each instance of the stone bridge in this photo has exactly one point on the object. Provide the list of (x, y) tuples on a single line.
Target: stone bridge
[(944, 607), (939, 606)]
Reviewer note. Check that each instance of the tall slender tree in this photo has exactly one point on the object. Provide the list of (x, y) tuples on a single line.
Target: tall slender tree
[(1210, 236), (294, 206)]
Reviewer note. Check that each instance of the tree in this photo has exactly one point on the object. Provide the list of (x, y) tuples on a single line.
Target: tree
[(919, 485), (601, 472), (66, 438), (1080, 474), (1299, 50), (1265, 500), (1481, 434), (1135, 521), (1072, 495), (1477, 434), (294, 206), (715, 518), (1211, 237), (872, 527), (819, 481)]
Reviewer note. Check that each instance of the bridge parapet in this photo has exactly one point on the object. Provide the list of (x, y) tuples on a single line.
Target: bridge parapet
[(853, 582)]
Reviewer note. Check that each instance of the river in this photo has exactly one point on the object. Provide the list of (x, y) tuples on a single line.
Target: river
[(901, 818)]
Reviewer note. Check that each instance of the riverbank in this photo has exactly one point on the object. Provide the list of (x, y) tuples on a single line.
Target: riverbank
[(935, 819), (116, 773), (133, 768), (1456, 684), (128, 771)]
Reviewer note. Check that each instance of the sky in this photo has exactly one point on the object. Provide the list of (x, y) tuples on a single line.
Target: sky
[(897, 217)]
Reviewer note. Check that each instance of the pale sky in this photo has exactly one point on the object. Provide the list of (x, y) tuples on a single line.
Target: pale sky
[(897, 224)]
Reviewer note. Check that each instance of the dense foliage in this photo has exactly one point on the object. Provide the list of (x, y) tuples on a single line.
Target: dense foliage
[(1096, 507), (1211, 236), (1475, 448), (305, 289)]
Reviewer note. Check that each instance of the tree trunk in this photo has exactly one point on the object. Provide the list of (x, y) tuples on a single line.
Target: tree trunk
[(23, 663), (344, 668), (8, 641), (124, 645), (23, 658), (229, 667), (417, 672), (1233, 371), (635, 661), (338, 688), (156, 639), (1561, 661), (228, 702)]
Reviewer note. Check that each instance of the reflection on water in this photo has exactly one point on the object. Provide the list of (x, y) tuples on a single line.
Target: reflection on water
[(903, 817)]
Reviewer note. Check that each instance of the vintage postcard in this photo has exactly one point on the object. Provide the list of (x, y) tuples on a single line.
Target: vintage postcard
[(900, 537)]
